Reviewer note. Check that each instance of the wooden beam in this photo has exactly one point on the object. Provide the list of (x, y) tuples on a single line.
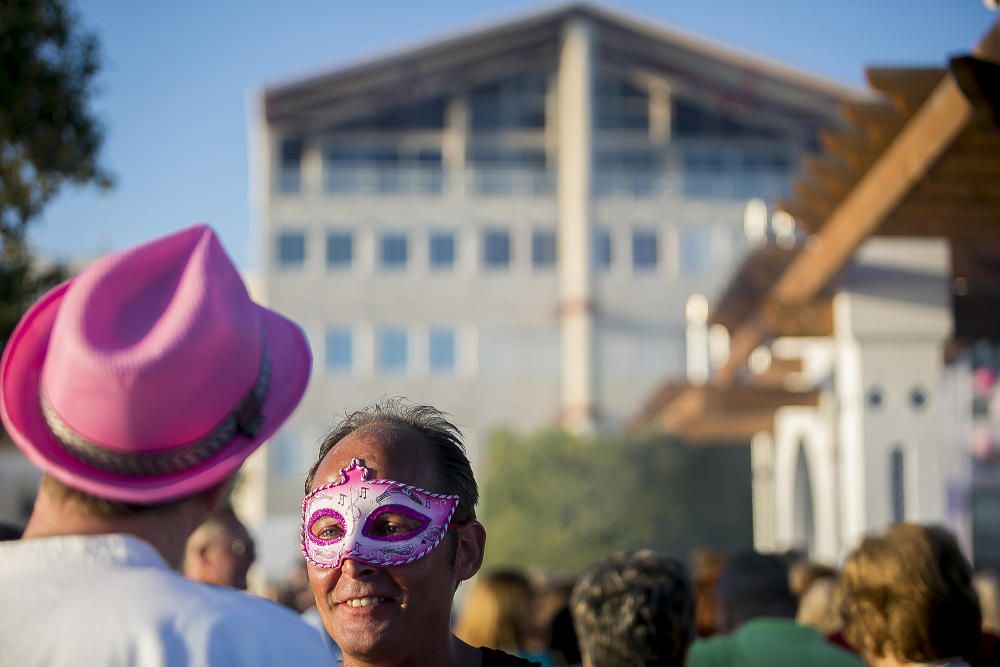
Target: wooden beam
[(811, 319), (918, 207), (812, 198), (731, 428), (896, 172), (965, 192), (977, 137), (777, 374), (972, 225), (741, 397), (804, 216), (742, 342), (851, 145), (681, 410), (900, 168), (881, 121), (988, 47), (980, 82), (906, 87), (831, 174)]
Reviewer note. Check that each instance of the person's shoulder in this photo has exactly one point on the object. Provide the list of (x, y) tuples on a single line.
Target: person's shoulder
[(495, 658), (249, 630), (240, 608), (711, 651)]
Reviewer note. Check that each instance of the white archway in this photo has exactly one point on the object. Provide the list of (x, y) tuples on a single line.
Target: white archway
[(805, 482)]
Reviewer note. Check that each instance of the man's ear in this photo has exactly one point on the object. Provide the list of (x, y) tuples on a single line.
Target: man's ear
[(471, 549)]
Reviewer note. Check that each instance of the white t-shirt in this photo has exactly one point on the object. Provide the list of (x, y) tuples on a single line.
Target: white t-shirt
[(113, 600)]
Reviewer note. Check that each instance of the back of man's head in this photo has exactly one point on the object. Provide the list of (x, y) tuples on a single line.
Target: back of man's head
[(140, 386), (754, 585), (220, 551), (636, 610)]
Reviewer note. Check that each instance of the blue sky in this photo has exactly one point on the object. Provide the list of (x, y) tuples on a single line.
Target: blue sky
[(179, 78)]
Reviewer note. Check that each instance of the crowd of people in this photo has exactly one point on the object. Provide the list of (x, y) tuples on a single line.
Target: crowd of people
[(141, 386)]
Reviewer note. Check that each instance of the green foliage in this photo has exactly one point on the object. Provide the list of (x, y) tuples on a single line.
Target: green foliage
[(48, 136), (558, 501), (21, 282), (47, 133)]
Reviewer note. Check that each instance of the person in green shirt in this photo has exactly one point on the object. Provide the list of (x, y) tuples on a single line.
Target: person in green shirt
[(756, 613)]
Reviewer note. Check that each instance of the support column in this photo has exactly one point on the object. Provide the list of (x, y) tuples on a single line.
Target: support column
[(453, 144), (575, 152), (660, 110), (696, 339), (762, 469)]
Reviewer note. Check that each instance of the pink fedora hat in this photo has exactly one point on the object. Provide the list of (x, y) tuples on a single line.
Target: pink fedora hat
[(151, 375)]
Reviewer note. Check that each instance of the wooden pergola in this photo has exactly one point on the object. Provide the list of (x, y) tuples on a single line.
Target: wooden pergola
[(923, 161)]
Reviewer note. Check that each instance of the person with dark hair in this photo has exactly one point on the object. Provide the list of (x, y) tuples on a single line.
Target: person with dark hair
[(389, 531), (220, 551), (909, 599), (634, 610), (756, 611), (139, 387)]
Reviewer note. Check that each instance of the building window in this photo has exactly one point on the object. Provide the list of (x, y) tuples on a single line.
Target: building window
[(339, 249), (621, 106), (442, 250), (291, 249), (496, 249), (386, 169), (543, 248), (393, 350), (517, 102), (429, 115), (284, 455), (602, 249), (442, 351), (695, 249), (339, 350), (897, 483), (394, 251), (290, 167), (501, 170), (645, 251)]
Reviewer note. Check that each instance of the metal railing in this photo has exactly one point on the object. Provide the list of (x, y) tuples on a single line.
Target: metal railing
[(541, 182)]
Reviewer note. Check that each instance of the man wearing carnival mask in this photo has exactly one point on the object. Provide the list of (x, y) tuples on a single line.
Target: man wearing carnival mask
[(389, 531)]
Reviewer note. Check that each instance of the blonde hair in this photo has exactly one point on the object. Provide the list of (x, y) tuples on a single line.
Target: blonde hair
[(819, 606), (495, 611), (910, 593)]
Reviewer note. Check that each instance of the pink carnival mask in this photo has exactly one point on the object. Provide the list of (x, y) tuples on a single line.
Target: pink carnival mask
[(376, 521)]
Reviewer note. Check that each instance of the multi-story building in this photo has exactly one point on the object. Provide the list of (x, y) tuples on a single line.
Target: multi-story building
[(508, 223)]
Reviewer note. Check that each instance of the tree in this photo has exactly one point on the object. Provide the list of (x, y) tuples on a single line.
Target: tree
[(559, 501), (48, 134)]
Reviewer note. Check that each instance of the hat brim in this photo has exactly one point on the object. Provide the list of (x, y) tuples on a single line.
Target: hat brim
[(20, 408)]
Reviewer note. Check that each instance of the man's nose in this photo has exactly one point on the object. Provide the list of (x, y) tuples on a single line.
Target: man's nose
[(357, 569)]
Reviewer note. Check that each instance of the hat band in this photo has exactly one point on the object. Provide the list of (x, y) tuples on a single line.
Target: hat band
[(245, 419)]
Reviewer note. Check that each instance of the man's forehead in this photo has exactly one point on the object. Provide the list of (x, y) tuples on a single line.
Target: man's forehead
[(390, 451)]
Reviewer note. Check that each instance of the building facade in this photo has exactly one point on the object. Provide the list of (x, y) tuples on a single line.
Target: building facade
[(507, 224)]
